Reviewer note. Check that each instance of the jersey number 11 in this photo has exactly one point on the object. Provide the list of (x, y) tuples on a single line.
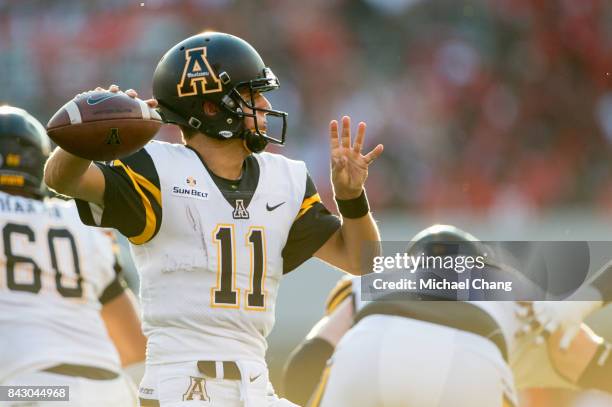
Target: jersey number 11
[(226, 294)]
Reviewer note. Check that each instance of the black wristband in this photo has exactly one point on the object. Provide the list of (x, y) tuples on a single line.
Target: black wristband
[(354, 208)]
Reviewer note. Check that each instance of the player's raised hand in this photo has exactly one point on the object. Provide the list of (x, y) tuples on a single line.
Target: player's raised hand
[(130, 92), (349, 167)]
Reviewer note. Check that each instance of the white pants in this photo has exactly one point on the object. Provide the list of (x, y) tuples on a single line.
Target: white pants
[(119, 392), (394, 361), (182, 384)]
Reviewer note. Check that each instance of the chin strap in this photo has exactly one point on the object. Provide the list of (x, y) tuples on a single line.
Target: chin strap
[(253, 142)]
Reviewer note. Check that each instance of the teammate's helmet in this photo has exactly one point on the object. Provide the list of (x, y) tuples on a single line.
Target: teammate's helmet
[(445, 240), (215, 67), (24, 148)]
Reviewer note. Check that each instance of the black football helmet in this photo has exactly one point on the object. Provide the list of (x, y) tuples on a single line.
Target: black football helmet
[(216, 67), (445, 240), (24, 148)]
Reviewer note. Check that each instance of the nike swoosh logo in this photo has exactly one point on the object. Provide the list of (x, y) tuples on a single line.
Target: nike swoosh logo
[(95, 100), (271, 208), (252, 379)]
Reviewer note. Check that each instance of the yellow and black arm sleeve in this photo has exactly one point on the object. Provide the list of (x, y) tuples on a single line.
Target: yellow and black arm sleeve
[(312, 227), (132, 198), (341, 291), (307, 362)]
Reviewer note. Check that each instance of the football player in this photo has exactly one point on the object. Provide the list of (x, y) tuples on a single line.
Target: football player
[(425, 353), (215, 223), (63, 303)]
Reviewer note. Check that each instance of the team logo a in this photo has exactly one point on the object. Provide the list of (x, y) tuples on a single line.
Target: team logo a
[(198, 77), (196, 390), (240, 211), (113, 137)]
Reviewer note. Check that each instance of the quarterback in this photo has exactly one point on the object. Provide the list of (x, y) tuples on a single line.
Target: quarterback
[(215, 223), (62, 299)]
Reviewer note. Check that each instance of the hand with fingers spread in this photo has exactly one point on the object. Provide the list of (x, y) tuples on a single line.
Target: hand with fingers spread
[(349, 167)]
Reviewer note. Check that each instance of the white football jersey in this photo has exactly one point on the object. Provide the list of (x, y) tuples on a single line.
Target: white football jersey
[(54, 271), (209, 279), (528, 359), (211, 261)]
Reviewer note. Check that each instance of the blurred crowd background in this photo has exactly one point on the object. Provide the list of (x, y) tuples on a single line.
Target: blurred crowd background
[(499, 108), (481, 105)]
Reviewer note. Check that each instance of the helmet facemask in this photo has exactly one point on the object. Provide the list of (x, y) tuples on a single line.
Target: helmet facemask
[(235, 102)]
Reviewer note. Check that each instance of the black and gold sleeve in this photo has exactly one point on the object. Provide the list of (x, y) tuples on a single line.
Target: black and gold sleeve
[(312, 227), (341, 291), (132, 199), (118, 285)]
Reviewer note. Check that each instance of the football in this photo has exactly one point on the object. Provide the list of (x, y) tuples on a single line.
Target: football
[(103, 125)]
